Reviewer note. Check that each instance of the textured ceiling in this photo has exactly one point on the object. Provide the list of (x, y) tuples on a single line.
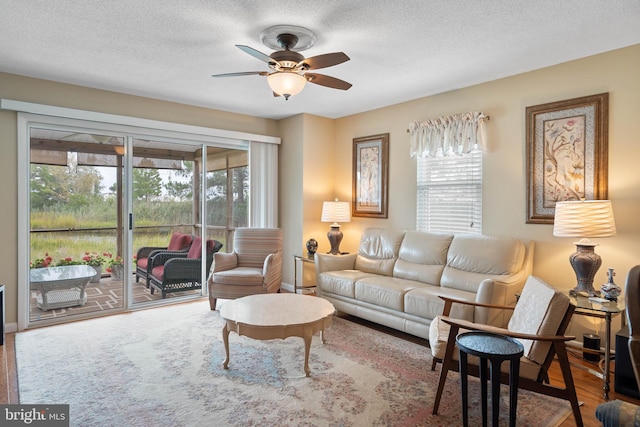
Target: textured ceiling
[(400, 50)]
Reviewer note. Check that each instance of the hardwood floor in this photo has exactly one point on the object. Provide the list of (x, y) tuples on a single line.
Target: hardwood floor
[(9, 376), (588, 387)]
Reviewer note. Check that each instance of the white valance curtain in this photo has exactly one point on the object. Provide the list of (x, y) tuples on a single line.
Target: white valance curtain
[(449, 135)]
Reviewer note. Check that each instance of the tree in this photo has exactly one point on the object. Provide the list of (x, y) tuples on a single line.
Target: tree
[(147, 184), (49, 186), (179, 190), (54, 185)]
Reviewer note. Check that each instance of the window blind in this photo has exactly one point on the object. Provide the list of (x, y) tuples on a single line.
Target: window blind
[(449, 195)]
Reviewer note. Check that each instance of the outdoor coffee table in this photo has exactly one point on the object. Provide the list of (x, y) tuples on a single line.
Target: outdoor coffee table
[(61, 286), (271, 316)]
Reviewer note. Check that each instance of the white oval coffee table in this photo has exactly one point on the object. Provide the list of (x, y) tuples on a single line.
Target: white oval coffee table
[(271, 316)]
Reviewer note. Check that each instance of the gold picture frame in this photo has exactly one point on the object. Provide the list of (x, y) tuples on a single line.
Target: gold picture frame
[(370, 176), (567, 154)]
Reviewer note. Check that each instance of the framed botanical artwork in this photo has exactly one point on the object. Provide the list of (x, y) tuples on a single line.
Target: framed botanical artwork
[(370, 176), (567, 154)]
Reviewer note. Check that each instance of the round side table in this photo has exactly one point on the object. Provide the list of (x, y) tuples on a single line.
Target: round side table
[(496, 349)]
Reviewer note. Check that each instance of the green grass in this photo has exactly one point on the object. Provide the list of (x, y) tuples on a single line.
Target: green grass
[(60, 245), (71, 242)]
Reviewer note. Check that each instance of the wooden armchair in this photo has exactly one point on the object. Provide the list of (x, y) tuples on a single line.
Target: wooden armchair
[(539, 321), (617, 412), (178, 243), (180, 271)]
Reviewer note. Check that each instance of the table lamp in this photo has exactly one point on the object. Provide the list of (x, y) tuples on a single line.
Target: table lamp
[(584, 219), (335, 212)]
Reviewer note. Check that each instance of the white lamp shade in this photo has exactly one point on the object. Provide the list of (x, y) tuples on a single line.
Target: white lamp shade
[(336, 212), (286, 83), (587, 218)]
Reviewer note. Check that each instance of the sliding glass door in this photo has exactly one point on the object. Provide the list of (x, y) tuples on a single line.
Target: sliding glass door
[(100, 200), (166, 202), (76, 224)]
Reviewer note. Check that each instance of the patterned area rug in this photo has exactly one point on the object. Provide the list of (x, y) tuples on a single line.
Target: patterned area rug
[(163, 367)]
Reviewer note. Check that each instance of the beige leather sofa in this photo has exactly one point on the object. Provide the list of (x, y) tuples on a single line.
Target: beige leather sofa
[(396, 277)]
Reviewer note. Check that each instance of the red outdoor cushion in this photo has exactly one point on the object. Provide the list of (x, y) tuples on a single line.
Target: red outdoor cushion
[(179, 241), (158, 272), (142, 263), (195, 251)]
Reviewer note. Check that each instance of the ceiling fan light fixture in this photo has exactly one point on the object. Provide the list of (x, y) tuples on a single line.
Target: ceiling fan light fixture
[(286, 83)]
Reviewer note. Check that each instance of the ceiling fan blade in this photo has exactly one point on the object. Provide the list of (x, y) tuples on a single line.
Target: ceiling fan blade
[(245, 73), (328, 81), (326, 60), (255, 53)]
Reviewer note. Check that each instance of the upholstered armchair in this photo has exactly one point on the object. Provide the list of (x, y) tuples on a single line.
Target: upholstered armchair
[(178, 243), (180, 271), (539, 321), (254, 266), (618, 413)]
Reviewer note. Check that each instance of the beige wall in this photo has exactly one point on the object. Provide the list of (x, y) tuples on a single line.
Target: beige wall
[(504, 185), (315, 158), (306, 180), (63, 95)]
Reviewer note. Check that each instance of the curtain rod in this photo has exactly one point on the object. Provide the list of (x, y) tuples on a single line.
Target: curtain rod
[(485, 118)]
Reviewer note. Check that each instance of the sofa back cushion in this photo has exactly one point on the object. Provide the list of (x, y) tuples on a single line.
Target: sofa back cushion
[(422, 256), (378, 250), (474, 258)]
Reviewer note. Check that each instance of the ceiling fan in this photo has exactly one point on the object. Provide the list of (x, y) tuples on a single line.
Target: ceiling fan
[(290, 70)]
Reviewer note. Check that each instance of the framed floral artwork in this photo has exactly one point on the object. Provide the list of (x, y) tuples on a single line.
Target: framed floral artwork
[(567, 154), (370, 176)]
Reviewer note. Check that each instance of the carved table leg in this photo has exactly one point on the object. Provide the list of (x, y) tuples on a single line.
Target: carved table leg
[(308, 335), (225, 339)]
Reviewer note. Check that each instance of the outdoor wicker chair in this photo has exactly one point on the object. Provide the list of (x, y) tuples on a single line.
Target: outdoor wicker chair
[(179, 271), (179, 243)]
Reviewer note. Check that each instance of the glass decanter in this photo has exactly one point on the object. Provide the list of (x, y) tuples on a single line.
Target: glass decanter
[(610, 290)]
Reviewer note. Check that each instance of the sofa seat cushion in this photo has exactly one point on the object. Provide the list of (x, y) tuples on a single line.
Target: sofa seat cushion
[(340, 282), (384, 291), (439, 334), (424, 301), (246, 276)]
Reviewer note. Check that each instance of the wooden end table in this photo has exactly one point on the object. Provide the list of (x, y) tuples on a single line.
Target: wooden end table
[(271, 316)]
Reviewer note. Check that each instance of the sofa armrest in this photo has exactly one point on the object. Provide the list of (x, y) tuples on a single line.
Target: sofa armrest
[(224, 261), (328, 262), (272, 271), (500, 291)]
